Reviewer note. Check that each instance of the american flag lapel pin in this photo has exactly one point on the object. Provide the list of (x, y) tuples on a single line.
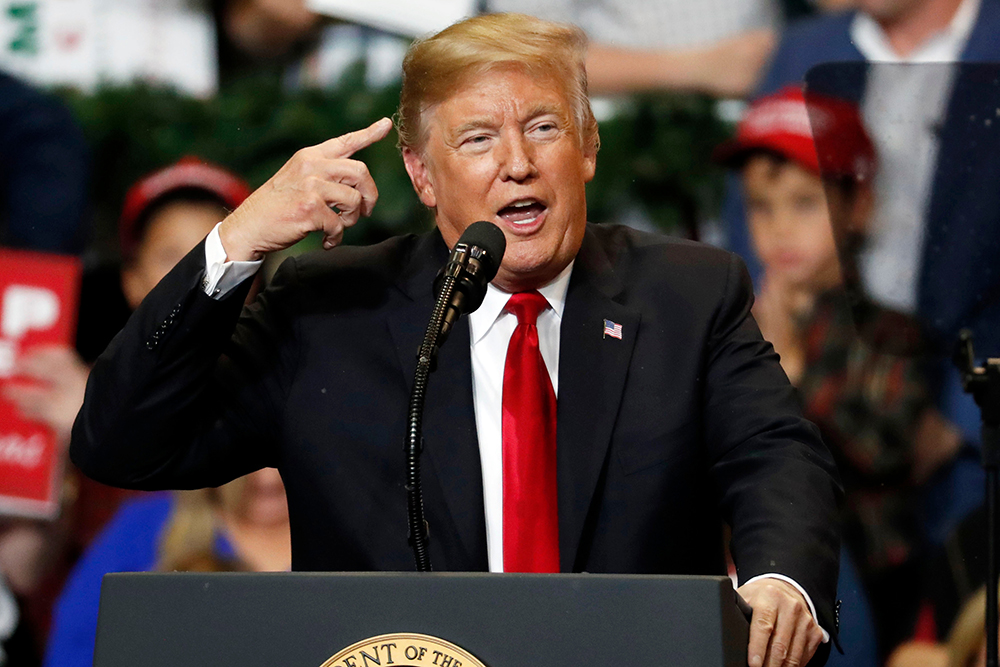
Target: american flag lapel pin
[(612, 329)]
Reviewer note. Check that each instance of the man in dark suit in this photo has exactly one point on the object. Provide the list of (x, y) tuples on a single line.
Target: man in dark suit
[(672, 415)]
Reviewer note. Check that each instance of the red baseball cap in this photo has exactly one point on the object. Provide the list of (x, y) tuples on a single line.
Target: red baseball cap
[(187, 173), (787, 123)]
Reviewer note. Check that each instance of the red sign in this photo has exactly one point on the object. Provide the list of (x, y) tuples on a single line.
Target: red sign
[(38, 306)]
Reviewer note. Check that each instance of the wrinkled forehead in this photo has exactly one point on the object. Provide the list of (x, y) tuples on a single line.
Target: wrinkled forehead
[(477, 89), (507, 91)]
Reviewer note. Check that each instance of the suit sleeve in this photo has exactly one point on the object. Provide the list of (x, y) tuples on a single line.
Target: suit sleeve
[(777, 481), (184, 396)]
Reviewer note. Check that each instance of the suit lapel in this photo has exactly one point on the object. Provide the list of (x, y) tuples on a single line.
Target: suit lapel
[(452, 467), (592, 371)]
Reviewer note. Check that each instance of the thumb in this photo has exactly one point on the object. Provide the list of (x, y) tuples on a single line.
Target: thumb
[(348, 144)]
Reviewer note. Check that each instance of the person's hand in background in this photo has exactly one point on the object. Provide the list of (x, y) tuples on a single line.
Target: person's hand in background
[(49, 388)]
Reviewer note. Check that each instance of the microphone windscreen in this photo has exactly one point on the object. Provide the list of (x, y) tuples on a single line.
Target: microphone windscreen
[(489, 238)]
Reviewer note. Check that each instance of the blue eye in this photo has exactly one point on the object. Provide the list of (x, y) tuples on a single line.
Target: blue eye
[(476, 140)]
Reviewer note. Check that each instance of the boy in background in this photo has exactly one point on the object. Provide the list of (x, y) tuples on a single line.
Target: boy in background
[(856, 365)]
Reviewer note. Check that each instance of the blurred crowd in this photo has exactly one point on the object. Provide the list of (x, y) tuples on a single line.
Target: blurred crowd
[(862, 196)]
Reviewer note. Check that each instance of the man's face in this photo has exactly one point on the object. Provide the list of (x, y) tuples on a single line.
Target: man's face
[(505, 149)]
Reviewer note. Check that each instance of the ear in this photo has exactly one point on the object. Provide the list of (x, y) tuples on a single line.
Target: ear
[(590, 158), (416, 167), (589, 164)]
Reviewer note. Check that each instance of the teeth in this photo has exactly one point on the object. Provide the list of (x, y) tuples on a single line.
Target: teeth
[(522, 212)]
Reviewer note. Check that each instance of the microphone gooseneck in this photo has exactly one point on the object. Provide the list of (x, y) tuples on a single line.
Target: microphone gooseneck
[(459, 287)]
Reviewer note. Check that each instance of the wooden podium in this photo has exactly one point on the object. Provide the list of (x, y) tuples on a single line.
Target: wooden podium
[(502, 620)]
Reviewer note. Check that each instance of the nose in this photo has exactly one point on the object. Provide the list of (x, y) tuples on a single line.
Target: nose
[(517, 158), (780, 222), (787, 222)]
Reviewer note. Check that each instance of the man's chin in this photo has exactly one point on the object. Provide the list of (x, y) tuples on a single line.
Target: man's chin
[(520, 277)]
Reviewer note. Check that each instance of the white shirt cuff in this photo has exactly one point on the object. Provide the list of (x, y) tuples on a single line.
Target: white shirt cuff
[(222, 276), (788, 580)]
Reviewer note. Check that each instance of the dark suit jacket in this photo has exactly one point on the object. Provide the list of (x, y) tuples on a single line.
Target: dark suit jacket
[(686, 421)]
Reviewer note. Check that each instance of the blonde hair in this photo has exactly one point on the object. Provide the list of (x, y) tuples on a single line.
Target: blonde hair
[(188, 539), (437, 66)]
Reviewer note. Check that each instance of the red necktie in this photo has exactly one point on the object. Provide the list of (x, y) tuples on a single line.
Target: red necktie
[(530, 520)]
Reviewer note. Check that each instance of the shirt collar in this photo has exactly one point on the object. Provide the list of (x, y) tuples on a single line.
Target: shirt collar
[(482, 320), (944, 46)]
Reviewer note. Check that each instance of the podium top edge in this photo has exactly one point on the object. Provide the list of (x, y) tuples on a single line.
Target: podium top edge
[(583, 576)]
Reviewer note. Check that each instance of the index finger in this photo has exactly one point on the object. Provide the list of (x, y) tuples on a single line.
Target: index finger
[(348, 144)]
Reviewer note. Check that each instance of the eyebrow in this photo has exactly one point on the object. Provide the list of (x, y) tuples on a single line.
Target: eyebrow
[(539, 109), (474, 124)]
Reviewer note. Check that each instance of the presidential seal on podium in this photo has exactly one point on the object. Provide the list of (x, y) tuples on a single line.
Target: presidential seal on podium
[(403, 650)]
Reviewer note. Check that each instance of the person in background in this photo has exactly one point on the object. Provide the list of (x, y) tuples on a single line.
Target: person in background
[(855, 364), (165, 215), (717, 47), (833, 5), (957, 571), (16, 647), (306, 49), (936, 230), (242, 526), (43, 174), (965, 646), (267, 28)]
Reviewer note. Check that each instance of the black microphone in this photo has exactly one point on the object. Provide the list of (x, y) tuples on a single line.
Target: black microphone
[(473, 263), (459, 288)]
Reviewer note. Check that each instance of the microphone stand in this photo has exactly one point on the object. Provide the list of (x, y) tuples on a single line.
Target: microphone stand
[(460, 288), (983, 382), (426, 363)]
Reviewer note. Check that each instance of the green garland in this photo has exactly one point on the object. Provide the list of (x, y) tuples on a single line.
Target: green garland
[(654, 156)]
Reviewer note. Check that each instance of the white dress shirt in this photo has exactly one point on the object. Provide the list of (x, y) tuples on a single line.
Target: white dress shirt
[(490, 329), (221, 276), (904, 108)]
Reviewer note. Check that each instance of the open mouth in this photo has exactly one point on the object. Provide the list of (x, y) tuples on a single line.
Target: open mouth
[(522, 211)]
